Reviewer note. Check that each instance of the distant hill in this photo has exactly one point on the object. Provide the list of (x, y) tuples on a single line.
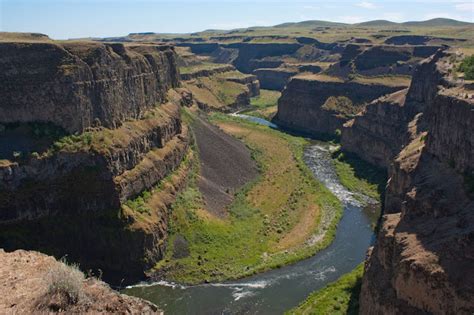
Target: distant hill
[(377, 23), (437, 22), (311, 23)]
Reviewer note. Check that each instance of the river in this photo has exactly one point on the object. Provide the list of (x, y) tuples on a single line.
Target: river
[(278, 290)]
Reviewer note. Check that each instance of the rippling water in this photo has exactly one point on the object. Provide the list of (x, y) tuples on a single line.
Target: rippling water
[(278, 290)]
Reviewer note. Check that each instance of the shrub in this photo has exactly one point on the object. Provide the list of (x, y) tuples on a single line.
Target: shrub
[(467, 66), (65, 281)]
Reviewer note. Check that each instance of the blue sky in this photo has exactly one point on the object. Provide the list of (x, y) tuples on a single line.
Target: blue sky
[(63, 19)]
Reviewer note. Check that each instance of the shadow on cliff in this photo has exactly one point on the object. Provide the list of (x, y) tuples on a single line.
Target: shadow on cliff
[(353, 307)]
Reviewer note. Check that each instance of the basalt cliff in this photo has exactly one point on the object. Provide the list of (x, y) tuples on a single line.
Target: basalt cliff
[(92, 152), (320, 104), (423, 255)]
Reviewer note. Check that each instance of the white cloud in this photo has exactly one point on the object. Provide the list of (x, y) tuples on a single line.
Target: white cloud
[(366, 5)]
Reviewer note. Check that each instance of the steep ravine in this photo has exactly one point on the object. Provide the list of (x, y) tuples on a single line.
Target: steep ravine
[(277, 290), (423, 256), (94, 192)]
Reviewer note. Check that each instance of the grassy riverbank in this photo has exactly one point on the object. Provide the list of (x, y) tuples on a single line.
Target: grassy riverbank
[(359, 176), (283, 216), (339, 297)]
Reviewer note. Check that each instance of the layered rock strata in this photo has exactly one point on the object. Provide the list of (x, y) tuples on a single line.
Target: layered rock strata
[(380, 131), (79, 85), (321, 104), (100, 195), (424, 249)]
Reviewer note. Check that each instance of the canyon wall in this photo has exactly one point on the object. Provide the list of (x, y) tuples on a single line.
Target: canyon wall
[(96, 195), (78, 85), (321, 104), (423, 255), (274, 78), (379, 132)]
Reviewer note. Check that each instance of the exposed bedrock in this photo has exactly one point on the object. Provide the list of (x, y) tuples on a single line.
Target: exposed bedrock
[(274, 79), (71, 202), (251, 51), (98, 195), (78, 85), (314, 105), (420, 40), (95, 177), (380, 59), (425, 247), (378, 133)]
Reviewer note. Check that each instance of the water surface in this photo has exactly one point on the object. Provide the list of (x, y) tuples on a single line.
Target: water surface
[(278, 290)]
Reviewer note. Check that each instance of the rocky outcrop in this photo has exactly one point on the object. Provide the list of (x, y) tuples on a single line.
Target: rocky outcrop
[(379, 132), (419, 40), (206, 72), (275, 78), (95, 195), (253, 51), (424, 249), (223, 91), (373, 60), (34, 283), (321, 104), (76, 86)]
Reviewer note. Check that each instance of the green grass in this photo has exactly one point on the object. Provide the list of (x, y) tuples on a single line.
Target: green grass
[(362, 178), (359, 176), (199, 67), (339, 297), (265, 105), (266, 99), (245, 241), (467, 67)]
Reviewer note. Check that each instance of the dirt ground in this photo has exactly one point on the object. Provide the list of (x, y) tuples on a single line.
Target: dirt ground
[(24, 290)]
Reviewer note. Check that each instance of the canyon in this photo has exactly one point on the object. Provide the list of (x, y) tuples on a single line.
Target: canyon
[(118, 156)]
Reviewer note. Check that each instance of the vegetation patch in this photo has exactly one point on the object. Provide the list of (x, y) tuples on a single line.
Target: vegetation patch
[(359, 176), (364, 179), (265, 105), (199, 67), (262, 229), (216, 91), (65, 282), (467, 67), (339, 297), (341, 105)]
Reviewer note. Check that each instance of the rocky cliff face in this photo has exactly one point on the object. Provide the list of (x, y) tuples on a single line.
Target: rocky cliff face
[(274, 78), (322, 104), (76, 86), (380, 131), (97, 195), (30, 283), (252, 51), (424, 250)]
